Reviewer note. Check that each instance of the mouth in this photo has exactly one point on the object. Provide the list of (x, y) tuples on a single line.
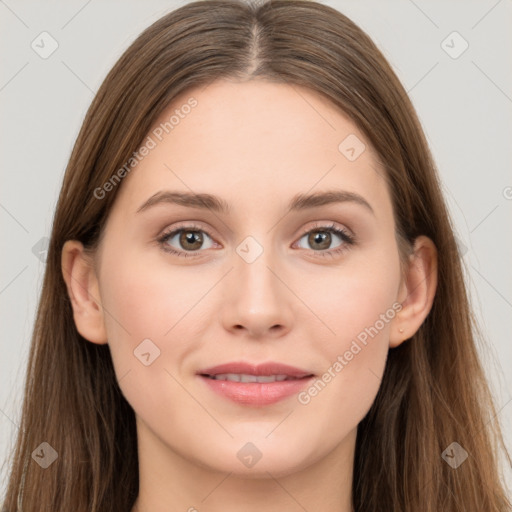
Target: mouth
[(247, 377), (255, 385)]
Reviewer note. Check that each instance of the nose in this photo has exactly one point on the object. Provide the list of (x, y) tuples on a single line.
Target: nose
[(258, 303)]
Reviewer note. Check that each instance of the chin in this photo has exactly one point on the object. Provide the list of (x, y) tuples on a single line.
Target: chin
[(257, 458)]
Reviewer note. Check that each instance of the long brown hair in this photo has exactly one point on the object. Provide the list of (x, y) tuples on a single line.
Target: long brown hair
[(433, 391)]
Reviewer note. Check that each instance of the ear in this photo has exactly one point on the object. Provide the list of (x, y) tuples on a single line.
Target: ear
[(83, 291), (417, 291)]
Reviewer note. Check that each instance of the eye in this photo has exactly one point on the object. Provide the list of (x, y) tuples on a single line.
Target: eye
[(321, 237), (188, 238)]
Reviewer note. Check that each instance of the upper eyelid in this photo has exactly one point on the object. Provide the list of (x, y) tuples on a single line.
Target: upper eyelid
[(328, 224)]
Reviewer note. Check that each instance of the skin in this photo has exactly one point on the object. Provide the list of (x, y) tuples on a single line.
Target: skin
[(256, 145)]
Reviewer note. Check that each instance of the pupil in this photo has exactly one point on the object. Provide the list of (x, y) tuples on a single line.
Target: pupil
[(321, 237), (189, 236)]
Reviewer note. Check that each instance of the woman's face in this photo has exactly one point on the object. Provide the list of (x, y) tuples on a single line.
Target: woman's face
[(259, 283)]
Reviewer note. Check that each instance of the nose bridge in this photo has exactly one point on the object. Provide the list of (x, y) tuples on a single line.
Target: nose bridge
[(252, 267), (258, 300)]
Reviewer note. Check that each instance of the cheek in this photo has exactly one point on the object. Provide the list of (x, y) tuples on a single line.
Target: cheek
[(148, 296), (358, 309), (151, 326), (147, 309), (358, 295)]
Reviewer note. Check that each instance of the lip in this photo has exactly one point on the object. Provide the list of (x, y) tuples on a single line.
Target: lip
[(256, 393), (262, 369)]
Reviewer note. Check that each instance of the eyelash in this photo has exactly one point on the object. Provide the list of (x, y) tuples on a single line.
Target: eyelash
[(348, 240)]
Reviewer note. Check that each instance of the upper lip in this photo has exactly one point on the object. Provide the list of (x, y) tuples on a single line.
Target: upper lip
[(270, 368)]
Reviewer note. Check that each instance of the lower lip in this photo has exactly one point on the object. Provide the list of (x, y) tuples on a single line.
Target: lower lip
[(256, 393)]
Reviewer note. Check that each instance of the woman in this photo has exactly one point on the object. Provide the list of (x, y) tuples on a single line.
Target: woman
[(313, 347)]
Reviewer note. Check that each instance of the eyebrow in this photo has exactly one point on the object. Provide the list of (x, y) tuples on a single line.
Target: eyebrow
[(298, 203)]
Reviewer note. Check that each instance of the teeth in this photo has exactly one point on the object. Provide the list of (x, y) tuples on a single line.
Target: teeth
[(242, 377)]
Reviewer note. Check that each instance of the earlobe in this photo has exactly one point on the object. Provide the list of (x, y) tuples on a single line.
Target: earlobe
[(417, 291), (83, 291)]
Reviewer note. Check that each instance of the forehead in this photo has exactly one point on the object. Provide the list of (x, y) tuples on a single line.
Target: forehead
[(251, 142)]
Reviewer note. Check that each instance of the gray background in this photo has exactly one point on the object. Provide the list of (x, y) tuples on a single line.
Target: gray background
[(464, 104)]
